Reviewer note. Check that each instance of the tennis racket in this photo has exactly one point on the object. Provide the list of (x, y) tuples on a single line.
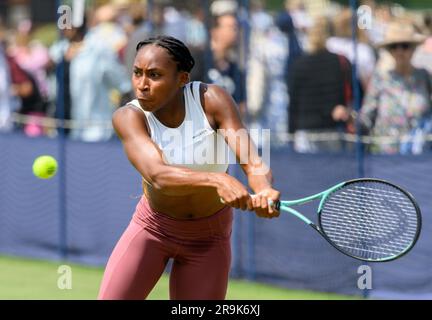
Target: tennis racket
[(366, 219)]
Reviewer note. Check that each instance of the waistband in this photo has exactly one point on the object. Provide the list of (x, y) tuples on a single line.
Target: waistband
[(216, 225)]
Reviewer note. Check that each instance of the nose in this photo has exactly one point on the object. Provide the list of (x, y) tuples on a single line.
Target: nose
[(143, 84)]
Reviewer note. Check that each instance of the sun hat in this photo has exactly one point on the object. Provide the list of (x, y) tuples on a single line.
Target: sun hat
[(398, 32)]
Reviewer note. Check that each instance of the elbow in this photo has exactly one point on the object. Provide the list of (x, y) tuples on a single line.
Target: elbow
[(160, 180), (156, 180)]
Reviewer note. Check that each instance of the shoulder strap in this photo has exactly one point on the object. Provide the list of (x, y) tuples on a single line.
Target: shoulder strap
[(198, 108), (196, 91), (196, 95)]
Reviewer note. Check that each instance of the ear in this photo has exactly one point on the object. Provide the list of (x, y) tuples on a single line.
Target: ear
[(184, 78)]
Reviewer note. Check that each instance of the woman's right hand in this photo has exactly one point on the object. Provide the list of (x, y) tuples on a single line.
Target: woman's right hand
[(232, 192), (340, 113)]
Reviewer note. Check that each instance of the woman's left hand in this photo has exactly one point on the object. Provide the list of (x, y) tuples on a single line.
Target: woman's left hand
[(261, 205)]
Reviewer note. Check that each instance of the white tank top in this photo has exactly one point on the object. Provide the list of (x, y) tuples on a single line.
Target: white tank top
[(193, 144)]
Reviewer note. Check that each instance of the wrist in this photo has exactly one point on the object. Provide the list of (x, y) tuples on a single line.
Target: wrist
[(259, 183), (214, 179), (262, 188)]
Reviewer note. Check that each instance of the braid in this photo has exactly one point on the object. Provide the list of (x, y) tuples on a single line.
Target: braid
[(177, 49)]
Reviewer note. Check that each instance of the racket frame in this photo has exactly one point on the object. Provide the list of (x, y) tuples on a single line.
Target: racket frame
[(286, 206)]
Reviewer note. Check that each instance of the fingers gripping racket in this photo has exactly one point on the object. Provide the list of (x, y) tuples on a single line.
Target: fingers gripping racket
[(366, 219)]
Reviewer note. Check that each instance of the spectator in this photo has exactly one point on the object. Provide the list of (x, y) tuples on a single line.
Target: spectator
[(423, 55), (301, 19), (106, 31), (94, 72), (267, 90), (224, 70), (319, 97), (18, 92), (24, 87), (196, 33), (341, 43), (62, 53), (33, 104), (175, 23), (6, 98), (31, 56), (7, 105), (197, 40), (397, 100), (285, 23), (381, 17), (141, 30)]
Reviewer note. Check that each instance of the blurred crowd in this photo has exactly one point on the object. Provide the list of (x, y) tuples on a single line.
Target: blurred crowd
[(290, 71)]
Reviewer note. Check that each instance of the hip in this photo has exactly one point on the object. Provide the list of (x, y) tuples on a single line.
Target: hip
[(217, 225)]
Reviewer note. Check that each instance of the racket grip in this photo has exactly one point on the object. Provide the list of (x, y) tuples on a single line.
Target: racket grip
[(275, 204)]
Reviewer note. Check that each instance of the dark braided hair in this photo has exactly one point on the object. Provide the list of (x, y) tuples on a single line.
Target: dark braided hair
[(177, 49)]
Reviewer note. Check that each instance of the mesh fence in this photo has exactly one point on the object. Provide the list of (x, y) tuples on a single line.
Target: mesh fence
[(101, 191)]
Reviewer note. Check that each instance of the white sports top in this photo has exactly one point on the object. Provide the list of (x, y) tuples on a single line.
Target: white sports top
[(193, 144)]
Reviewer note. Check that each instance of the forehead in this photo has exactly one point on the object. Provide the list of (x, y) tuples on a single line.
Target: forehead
[(152, 56), (227, 21)]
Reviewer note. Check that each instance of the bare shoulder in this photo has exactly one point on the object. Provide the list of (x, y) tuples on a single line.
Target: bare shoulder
[(125, 115), (128, 120), (219, 104), (214, 97), (211, 92)]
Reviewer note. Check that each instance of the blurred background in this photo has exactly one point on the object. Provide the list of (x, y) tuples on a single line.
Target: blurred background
[(344, 86)]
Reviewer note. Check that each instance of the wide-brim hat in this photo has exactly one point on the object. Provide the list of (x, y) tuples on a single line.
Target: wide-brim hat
[(398, 32)]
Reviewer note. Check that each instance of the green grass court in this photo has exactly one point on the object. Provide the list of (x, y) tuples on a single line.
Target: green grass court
[(35, 279)]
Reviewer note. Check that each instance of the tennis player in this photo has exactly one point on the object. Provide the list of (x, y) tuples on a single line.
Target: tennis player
[(186, 211)]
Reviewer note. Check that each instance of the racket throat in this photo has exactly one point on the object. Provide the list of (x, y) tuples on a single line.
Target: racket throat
[(317, 229)]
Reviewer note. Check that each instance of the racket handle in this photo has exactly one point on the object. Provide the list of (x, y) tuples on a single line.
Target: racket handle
[(275, 204)]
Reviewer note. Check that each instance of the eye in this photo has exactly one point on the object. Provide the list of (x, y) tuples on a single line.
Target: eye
[(137, 73), (154, 74)]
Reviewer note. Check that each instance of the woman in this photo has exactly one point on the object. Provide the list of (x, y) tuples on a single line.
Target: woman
[(319, 89), (185, 213), (397, 101)]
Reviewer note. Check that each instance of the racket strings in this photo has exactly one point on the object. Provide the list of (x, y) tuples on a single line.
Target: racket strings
[(393, 221), (376, 233), (370, 220)]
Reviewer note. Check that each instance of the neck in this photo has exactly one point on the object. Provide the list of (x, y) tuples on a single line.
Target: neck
[(219, 50), (173, 113), (404, 69)]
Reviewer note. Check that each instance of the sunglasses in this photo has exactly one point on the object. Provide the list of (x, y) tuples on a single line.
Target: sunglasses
[(402, 45)]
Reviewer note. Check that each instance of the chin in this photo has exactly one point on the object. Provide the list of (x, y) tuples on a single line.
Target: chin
[(147, 105)]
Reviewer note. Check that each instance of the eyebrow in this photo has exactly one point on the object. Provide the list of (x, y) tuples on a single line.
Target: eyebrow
[(150, 69)]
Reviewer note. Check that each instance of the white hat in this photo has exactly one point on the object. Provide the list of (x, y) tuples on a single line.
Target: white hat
[(398, 32), (221, 7)]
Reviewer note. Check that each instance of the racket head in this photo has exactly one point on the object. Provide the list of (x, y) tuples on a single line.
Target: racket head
[(370, 220)]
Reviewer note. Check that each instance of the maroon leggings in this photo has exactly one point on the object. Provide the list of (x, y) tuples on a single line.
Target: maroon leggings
[(200, 249)]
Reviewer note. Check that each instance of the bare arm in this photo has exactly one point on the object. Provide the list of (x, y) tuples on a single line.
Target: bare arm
[(220, 104), (146, 157)]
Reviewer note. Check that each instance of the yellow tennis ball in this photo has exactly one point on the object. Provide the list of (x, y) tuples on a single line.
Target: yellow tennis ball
[(45, 167)]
